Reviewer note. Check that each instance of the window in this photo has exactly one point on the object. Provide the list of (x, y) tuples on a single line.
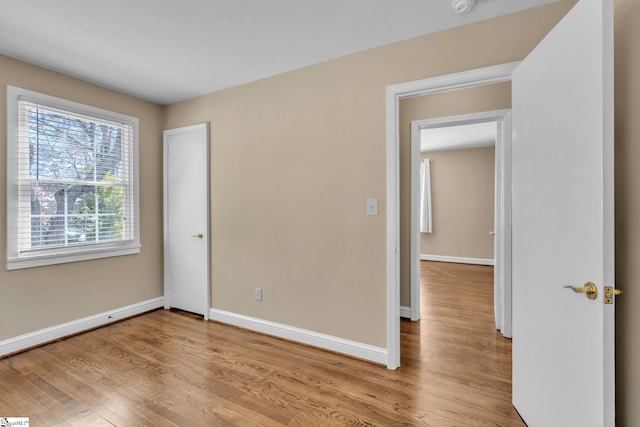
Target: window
[(72, 189)]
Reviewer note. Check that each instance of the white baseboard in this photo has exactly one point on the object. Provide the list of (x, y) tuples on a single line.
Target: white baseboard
[(405, 312), (53, 333), (327, 342), (460, 260)]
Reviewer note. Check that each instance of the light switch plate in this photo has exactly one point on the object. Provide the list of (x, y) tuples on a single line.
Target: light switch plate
[(372, 207)]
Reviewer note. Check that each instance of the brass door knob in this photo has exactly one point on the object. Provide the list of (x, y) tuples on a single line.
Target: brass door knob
[(589, 289), (199, 235)]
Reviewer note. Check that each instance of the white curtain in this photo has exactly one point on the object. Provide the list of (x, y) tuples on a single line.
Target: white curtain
[(425, 196)]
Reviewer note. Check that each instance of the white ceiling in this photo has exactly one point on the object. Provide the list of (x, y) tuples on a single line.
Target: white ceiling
[(170, 50), (460, 137)]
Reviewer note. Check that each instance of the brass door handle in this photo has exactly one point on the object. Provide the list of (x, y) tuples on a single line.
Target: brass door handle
[(199, 235), (589, 289)]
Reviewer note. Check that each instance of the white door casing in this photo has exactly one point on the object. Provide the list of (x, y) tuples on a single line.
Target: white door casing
[(186, 219), (563, 230)]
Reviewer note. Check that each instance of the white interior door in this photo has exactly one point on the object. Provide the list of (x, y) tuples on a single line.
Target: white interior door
[(502, 227), (563, 234), (186, 218)]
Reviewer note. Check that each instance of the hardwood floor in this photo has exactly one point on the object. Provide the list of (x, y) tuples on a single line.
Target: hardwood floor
[(170, 369)]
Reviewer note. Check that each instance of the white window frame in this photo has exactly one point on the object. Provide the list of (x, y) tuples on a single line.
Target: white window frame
[(59, 255)]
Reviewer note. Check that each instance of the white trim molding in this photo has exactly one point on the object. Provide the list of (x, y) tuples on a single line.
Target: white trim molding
[(316, 339), (457, 259), (405, 312), (43, 336)]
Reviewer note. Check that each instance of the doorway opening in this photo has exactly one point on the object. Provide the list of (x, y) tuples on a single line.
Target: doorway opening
[(478, 77), (468, 131)]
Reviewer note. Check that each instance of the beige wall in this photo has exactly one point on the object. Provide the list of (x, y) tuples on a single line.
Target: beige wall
[(453, 103), (37, 298), (294, 159), (627, 146), (462, 192)]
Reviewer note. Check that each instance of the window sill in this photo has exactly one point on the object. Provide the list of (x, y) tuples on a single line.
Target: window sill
[(38, 260)]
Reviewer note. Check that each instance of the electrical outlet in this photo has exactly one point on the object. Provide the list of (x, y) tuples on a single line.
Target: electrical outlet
[(258, 294)]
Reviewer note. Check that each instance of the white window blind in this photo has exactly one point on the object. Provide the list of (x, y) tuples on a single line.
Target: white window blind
[(75, 183)]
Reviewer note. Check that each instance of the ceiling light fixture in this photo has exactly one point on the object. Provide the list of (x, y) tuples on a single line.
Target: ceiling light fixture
[(463, 6)]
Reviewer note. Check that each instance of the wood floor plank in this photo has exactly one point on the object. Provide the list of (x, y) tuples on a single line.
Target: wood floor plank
[(173, 369)]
